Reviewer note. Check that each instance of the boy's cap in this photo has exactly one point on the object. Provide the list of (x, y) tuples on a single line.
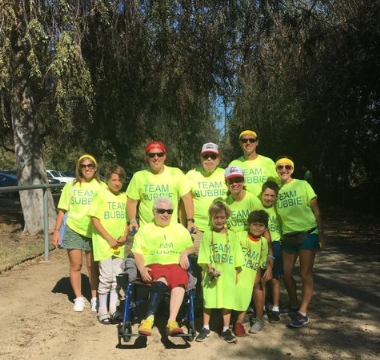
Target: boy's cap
[(155, 145), (210, 148), (233, 171)]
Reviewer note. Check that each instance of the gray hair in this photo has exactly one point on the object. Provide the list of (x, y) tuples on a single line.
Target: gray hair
[(162, 200)]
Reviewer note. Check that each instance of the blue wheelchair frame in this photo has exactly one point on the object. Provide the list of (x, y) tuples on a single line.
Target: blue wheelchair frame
[(124, 327)]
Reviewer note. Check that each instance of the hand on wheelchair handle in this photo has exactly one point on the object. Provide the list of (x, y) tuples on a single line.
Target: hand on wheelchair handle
[(134, 230)]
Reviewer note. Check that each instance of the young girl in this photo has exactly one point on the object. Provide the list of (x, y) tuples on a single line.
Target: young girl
[(255, 250), (220, 255), (108, 217)]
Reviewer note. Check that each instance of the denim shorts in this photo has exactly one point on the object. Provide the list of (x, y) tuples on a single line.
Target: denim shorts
[(310, 243), (73, 240), (278, 265)]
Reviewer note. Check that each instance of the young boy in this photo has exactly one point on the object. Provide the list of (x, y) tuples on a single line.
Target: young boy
[(108, 216), (269, 194), (255, 250)]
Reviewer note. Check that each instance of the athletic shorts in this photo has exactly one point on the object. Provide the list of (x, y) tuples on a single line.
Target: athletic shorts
[(73, 240), (310, 243), (173, 273), (278, 266)]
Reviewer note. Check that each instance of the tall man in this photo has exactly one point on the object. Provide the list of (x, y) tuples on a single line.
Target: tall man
[(156, 181), (257, 168)]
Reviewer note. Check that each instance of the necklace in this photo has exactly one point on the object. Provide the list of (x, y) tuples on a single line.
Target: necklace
[(214, 257)]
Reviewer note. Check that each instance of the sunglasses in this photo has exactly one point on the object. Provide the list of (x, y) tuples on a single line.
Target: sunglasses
[(250, 140), (287, 167), (212, 156), (163, 211), (84, 166), (235, 180), (152, 155)]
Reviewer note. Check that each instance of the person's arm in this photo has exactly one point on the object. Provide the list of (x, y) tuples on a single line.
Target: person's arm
[(270, 261), (122, 239), (140, 264), (55, 238), (103, 232), (189, 208), (184, 257), (315, 209), (131, 212)]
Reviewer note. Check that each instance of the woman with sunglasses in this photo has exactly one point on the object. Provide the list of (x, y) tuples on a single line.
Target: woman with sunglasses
[(76, 199), (298, 210), (161, 249), (207, 184), (257, 168)]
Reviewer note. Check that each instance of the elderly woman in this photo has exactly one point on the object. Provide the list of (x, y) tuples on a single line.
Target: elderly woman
[(302, 231), (161, 249)]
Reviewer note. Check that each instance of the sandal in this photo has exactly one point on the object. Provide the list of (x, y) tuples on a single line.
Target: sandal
[(105, 319)]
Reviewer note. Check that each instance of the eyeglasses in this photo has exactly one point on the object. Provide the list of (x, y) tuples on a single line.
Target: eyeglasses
[(287, 167), (163, 211), (250, 140), (212, 156), (84, 166), (235, 180), (152, 155)]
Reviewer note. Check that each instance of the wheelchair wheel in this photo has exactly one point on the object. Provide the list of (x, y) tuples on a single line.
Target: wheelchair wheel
[(125, 332), (191, 331)]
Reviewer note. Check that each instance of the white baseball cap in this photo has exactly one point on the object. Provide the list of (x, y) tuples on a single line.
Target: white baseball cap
[(233, 171), (210, 148)]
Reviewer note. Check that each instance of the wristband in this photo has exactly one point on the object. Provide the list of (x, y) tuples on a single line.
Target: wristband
[(132, 220), (271, 257), (190, 220)]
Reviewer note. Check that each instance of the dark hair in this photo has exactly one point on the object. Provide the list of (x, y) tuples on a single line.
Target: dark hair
[(258, 216), (270, 185), (78, 171), (115, 169)]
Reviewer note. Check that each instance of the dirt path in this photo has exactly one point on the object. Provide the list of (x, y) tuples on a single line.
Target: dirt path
[(37, 321)]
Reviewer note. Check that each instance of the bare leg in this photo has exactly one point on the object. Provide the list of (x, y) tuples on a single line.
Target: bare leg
[(258, 295), (290, 284), (93, 272), (226, 313), (176, 299), (306, 269), (75, 257), (276, 291), (206, 316), (241, 317)]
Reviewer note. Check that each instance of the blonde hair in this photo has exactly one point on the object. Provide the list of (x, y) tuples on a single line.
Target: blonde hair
[(217, 207)]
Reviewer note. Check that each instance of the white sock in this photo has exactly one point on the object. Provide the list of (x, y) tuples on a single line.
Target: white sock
[(113, 301), (275, 308), (207, 327), (225, 328), (103, 304), (303, 314)]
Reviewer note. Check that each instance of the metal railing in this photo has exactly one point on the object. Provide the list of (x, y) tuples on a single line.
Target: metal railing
[(44, 187)]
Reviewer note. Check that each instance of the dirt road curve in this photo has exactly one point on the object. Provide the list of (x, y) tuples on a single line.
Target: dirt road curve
[(37, 321)]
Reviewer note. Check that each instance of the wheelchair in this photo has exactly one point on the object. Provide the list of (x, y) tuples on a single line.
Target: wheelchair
[(136, 294)]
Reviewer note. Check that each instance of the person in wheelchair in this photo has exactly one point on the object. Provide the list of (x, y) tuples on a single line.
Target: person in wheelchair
[(161, 251)]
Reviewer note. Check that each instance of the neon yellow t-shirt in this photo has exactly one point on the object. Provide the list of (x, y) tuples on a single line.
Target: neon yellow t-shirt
[(224, 253), (205, 188), (146, 187), (240, 211), (77, 201), (274, 226), (257, 172), (161, 245), (293, 206), (110, 209), (255, 256)]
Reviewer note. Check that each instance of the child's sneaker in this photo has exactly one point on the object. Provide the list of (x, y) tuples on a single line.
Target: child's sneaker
[(94, 304), (274, 317), (227, 336), (257, 326), (239, 329), (298, 321), (79, 304), (172, 328), (205, 333), (145, 327)]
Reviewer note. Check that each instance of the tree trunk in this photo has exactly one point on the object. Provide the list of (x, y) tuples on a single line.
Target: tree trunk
[(28, 145)]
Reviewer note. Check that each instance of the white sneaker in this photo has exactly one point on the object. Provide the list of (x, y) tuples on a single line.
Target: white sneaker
[(79, 304), (94, 304)]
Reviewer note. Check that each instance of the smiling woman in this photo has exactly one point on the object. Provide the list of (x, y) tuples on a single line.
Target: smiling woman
[(301, 221)]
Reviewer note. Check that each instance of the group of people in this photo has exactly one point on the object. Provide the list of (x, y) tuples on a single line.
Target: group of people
[(246, 225)]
